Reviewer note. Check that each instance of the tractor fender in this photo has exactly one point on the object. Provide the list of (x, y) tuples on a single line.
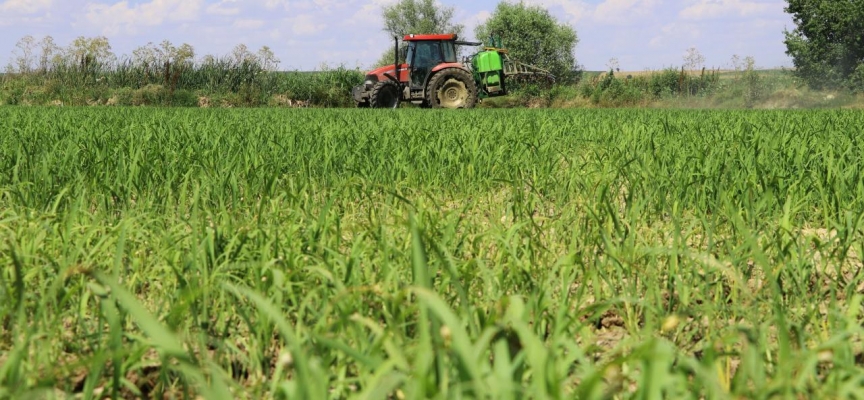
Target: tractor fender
[(381, 73), (447, 65)]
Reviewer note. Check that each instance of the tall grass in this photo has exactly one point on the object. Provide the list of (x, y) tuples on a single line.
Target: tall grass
[(611, 89), (424, 254), (234, 82)]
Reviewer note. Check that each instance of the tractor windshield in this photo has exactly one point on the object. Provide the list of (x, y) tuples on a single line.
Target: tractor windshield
[(427, 54)]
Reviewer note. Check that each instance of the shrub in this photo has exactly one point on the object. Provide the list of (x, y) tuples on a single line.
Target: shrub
[(665, 83), (184, 98), (564, 92), (16, 94), (856, 80), (585, 88), (121, 97), (150, 95)]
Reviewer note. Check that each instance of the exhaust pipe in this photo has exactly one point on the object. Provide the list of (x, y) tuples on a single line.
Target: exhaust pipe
[(396, 58), (395, 78)]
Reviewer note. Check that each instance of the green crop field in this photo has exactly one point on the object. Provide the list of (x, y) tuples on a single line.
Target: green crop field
[(410, 254)]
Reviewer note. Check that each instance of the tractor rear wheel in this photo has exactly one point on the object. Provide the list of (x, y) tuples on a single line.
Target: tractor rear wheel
[(452, 88), (385, 94)]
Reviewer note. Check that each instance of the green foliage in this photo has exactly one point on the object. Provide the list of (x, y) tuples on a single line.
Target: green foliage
[(856, 80), (150, 95), (167, 75), (157, 95), (827, 44), (611, 90), (84, 51), (666, 83), (415, 16), (617, 93), (532, 35), (166, 52), (246, 82), (420, 17), (754, 86), (592, 254), (387, 57)]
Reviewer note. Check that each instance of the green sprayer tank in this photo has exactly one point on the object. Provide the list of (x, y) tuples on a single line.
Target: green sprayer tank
[(489, 72)]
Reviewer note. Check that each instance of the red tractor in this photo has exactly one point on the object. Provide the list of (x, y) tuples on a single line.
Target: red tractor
[(433, 77)]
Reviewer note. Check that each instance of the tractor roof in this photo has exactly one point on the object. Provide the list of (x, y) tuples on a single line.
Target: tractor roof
[(413, 38)]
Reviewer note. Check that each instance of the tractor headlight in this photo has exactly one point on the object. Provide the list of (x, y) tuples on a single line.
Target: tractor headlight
[(370, 81)]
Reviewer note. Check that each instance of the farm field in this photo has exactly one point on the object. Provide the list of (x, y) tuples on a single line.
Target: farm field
[(409, 254)]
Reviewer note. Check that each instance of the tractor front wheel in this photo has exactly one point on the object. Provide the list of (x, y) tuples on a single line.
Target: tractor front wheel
[(452, 88), (385, 94)]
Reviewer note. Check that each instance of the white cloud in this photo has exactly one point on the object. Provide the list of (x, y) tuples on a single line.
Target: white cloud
[(606, 12), (623, 11), (706, 9), (574, 10), (369, 14), (248, 23), (274, 34), (326, 5), (475, 20), (231, 7), (25, 6), (121, 17), (677, 31), (223, 8), (305, 25), (271, 4)]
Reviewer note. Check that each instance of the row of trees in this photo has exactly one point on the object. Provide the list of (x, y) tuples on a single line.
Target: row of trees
[(45, 55), (42, 55)]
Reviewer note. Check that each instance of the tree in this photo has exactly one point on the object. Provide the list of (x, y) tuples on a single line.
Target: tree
[(43, 55), (827, 44), (146, 55), (86, 52), (50, 54), (154, 56), (416, 16), (23, 55), (613, 64), (183, 55), (532, 35), (693, 59), (267, 59), (419, 16), (241, 54)]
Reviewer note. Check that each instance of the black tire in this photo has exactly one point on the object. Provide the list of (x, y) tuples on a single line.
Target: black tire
[(452, 88), (385, 94)]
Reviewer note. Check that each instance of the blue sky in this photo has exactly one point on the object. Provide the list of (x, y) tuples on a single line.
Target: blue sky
[(305, 34)]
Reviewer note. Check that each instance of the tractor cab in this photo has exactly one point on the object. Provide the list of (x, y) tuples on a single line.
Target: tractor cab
[(425, 53)]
